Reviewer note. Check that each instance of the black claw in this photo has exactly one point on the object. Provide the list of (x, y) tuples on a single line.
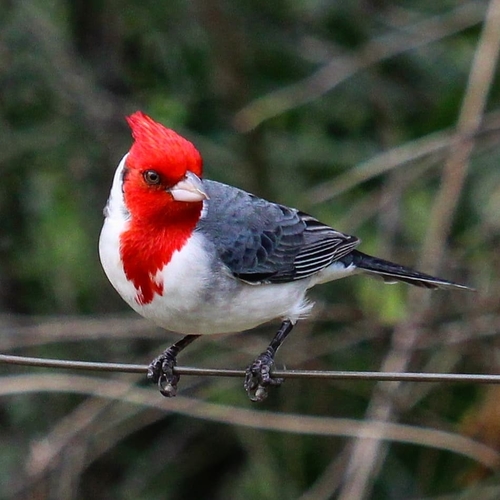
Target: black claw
[(161, 371), (258, 377)]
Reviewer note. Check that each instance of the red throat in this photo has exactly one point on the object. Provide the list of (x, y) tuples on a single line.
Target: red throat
[(146, 250)]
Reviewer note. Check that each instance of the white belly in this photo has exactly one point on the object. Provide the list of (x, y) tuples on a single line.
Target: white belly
[(197, 300)]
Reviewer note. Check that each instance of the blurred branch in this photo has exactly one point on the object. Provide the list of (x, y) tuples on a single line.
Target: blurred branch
[(263, 420), (19, 331), (230, 83), (109, 423), (341, 68), (433, 144), (368, 455), (469, 123), (71, 80)]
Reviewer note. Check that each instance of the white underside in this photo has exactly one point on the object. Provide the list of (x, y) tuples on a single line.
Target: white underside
[(197, 301), (198, 297)]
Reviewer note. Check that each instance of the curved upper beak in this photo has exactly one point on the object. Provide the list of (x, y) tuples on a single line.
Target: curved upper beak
[(189, 189)]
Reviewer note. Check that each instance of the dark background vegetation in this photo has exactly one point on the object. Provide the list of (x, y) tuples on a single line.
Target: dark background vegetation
[(379, 117)]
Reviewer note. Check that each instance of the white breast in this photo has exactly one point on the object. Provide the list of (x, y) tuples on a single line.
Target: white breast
[(196, 298)]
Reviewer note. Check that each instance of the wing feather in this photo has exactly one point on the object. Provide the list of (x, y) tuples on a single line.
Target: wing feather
[(263, 242)]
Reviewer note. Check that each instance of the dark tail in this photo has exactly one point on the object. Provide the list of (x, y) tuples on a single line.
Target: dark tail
[(391, 273)]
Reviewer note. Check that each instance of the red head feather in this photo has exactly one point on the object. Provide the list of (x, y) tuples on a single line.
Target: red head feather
[(158, 226), (162, 149)]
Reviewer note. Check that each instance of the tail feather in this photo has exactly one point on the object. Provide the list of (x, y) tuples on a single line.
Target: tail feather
[(391, 273)]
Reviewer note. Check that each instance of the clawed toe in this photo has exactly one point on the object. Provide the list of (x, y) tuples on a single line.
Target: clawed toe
[(258, 377), (161, 371)]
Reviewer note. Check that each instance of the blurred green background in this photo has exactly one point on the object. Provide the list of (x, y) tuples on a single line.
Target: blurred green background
[(381, 118)]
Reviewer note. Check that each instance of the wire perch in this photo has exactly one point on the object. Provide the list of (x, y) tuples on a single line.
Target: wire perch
[(222, 372)]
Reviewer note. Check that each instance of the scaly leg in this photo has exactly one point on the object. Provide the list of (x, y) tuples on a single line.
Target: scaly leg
[(161, 369), (258, 374)]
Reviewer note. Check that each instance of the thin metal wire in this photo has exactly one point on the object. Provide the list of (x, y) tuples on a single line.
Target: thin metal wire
[(219, 372)]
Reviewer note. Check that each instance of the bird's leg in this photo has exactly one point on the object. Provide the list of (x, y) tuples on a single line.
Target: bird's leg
[(161, 369), (258, 375)]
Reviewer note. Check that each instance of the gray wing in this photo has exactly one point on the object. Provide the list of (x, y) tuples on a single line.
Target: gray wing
[(263, 242)]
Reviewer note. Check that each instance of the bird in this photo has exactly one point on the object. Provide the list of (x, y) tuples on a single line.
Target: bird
[(199, 257)]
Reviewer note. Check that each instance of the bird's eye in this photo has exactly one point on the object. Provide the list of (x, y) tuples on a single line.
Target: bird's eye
[(152, 177)]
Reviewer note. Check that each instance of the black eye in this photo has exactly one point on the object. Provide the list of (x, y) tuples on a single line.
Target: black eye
[(151, 177)]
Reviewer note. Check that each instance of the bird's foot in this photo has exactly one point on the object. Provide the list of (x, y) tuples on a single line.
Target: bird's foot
[(258, 377), (161, 372)]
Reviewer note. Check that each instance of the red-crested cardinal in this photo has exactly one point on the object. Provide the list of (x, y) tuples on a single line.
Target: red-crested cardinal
[(200, 257)]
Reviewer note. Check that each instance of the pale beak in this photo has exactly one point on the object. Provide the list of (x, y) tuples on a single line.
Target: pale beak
[(189, 189)]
